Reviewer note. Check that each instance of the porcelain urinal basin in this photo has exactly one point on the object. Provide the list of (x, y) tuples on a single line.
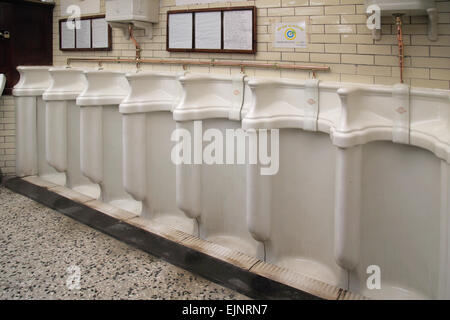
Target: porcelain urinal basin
[(211, 167), (62, 130), (30, 124), (2, 83), (149, 174), (101, 136), (392, 191), (290, 208)]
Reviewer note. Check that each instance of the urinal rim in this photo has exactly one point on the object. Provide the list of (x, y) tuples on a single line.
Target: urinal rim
[(93, 100), (104, 72), (34, 67), (24, 89), (59, 93), (152, 74), (201, 77)]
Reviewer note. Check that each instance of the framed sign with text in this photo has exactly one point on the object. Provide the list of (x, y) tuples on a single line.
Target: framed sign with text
[(214, 30), (89, 33)]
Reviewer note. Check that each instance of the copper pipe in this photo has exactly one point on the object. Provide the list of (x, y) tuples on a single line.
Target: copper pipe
[(401, 52), (136, 44), (212, 63)]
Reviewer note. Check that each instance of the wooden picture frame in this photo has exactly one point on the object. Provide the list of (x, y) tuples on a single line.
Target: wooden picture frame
[(222, 11), (90, 48)]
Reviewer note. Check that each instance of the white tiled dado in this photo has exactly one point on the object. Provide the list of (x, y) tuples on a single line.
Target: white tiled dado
[(7, 136)]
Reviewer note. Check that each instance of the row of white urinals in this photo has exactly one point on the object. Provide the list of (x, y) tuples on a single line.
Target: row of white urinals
[(361, 193)]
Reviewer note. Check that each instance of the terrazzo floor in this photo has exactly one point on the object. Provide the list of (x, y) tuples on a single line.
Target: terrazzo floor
[(42, 250)]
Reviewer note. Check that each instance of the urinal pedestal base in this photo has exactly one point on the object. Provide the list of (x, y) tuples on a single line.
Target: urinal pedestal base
[(56, 178), (128, 205), (90, 190)]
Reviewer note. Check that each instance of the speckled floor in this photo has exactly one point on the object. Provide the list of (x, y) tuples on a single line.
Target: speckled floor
[(41, 251)]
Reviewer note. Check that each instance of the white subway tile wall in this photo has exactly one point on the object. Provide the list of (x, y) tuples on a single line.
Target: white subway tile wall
[(338, 37), (7, 138)]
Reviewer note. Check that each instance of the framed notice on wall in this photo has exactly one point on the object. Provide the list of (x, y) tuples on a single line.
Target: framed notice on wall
[(220, 30), (87, 34)]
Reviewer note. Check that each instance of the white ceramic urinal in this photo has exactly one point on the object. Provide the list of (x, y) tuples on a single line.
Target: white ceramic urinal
[(2, 83), (392, 195), (30, 124), (149, 174), (211, 179), (291, 210), (62, 130), (101, 136)]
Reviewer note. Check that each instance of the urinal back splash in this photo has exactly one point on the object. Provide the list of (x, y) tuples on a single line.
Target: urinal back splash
[(214, 192), (149, 175), (62, 128), (296, 203), (30, 124), (342, 183), (101, 135)]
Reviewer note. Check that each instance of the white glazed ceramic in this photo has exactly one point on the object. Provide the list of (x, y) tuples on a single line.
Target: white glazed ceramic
[(62, 131), (292, 212), (408, 7), (101, 135), (392, 189), (2, 83), (149, 174), (363, 180), (388, 193), (394, 8), (30, 124), (215, 194)]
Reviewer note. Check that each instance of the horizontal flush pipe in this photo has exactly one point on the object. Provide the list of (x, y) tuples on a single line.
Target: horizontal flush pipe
[(212, 63)]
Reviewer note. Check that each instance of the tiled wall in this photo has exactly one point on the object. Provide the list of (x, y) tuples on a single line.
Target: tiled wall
[(338, 37), (7, 139)]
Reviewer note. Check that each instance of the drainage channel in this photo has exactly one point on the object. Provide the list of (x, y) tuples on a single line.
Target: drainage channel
[(246, 275)]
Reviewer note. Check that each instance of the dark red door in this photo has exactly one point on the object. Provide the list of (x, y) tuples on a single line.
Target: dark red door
[(5, 48), (29, 37)]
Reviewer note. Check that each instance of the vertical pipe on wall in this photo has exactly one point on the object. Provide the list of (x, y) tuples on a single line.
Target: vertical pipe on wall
[(348, 206)]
